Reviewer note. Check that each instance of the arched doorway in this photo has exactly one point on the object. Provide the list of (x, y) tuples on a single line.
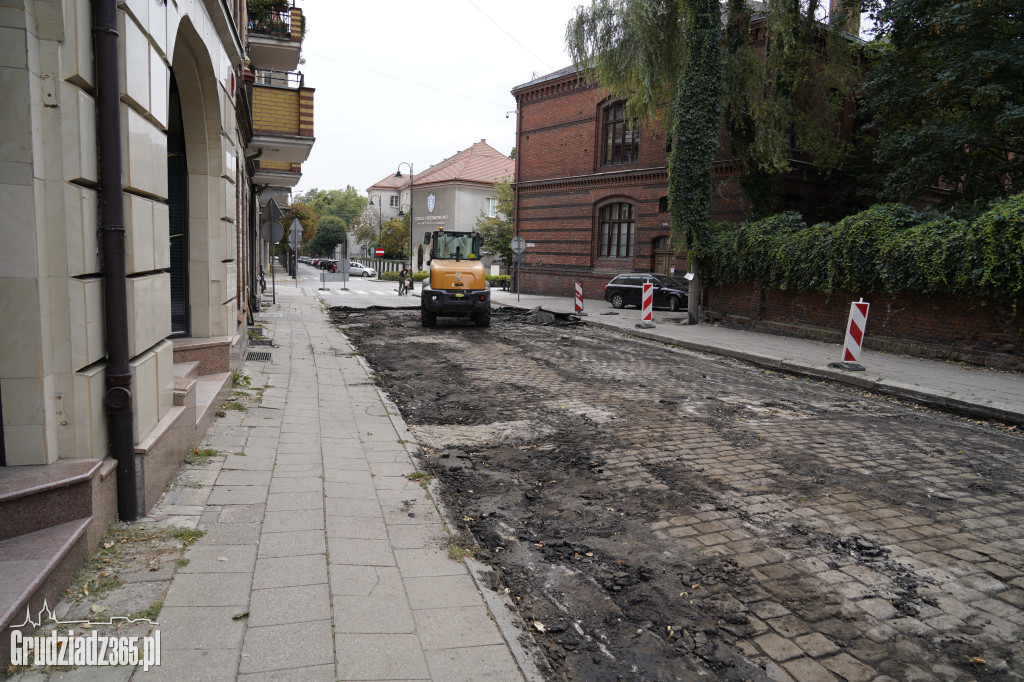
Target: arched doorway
[(663, 256), (207, 287), (177, 202)]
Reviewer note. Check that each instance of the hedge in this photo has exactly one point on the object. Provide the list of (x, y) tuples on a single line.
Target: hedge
[(393, 276), (888, 247)]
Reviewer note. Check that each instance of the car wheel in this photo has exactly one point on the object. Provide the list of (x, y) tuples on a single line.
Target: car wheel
[(365, 273), (618, 301), (674, 303)]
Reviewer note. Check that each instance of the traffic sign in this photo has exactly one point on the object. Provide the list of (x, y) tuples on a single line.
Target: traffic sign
[(518, 244), (271, 228), (295, 236), (379, 252)]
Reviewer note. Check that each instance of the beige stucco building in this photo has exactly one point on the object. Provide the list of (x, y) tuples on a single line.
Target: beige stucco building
[(199, 136), (450, 195)]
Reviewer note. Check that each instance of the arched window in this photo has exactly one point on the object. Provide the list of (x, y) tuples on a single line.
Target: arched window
[(621, 141), (616, 229)]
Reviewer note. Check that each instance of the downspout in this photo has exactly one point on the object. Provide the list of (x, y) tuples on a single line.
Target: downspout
[(118, 396)]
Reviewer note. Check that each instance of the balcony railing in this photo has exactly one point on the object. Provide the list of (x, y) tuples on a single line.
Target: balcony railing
[(282, 79), (284, 22)]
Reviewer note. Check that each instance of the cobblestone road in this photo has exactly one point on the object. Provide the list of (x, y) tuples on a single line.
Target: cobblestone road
[(671, 513)]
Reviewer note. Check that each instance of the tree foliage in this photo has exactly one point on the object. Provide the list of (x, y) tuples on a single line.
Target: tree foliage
[(346, 204), (330, 232), (307, 217), (335, 211), (887, 248), (946, 94), (497, 231), (633, 48), (789, 102), (394, 238)]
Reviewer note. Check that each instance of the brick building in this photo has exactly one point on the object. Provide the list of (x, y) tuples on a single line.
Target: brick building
[(591, 191)]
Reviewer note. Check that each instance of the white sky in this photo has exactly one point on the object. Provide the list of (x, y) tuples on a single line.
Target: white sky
[(419, 80)]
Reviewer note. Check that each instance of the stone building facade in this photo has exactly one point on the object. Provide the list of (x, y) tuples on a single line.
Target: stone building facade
[(183, 116)]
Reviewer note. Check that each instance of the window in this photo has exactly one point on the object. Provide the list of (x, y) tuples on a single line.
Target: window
[(394, 202), (616, 226), (621, 142), (490, 206), (663, 205)]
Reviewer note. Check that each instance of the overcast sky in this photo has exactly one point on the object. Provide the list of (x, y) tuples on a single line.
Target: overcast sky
[(418, 81)]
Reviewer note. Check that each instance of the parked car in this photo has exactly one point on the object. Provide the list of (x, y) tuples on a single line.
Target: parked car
[(359, 270), (326, 264), (628, 289)]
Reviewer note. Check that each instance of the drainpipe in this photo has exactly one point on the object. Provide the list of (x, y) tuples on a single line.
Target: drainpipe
[(118, 396)]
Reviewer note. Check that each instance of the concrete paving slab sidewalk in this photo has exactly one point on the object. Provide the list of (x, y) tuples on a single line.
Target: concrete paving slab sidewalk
[(971, 391), (321, 559)]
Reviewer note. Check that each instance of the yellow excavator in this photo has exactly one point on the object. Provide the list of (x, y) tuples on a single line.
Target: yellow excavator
[(457, 286)]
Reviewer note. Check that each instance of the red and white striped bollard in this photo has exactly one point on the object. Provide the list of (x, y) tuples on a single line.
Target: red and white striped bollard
[(648, 302), (579, 297), (855, 330)]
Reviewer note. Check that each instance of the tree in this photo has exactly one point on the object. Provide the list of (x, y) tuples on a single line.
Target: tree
[(497, 231), (790, 101), (330, 232), (394, 238), (307, 217), (946, 94), (368, 227), (346, 204), (649, 52)]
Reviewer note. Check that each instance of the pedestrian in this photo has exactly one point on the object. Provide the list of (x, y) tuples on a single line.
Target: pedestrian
[(405, 280)]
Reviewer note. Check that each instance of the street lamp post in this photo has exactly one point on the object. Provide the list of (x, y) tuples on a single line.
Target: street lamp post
[(412, 177)]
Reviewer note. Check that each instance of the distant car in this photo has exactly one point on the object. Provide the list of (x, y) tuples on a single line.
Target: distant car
[(628, 289), (359, 270)]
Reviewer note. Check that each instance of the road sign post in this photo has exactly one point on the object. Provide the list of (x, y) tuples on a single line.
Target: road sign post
[(272, 232)]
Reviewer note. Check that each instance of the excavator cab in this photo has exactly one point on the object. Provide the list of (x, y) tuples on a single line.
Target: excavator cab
[(457, 286)]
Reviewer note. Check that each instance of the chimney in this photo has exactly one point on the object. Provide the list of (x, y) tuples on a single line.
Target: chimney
[(846, 7)]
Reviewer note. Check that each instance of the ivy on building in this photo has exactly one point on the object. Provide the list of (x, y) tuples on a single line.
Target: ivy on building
[(890, 248)]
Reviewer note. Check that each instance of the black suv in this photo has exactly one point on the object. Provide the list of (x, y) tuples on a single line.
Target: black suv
[(626, 290)]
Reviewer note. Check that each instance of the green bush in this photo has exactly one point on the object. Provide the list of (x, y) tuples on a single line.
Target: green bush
[(888, 247), (498, 280), (393, 276)]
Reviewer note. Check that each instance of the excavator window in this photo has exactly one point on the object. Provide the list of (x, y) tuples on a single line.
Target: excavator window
[(465, 246)]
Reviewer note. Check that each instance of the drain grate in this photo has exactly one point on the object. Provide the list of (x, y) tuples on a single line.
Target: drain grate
[(259, 356)]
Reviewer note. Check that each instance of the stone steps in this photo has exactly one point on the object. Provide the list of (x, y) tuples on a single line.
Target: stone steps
[(51, 517)]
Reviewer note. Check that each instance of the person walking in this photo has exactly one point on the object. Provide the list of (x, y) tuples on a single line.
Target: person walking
[(404, 280)]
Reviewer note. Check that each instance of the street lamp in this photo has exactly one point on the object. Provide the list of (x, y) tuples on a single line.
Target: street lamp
[(380, 216), (412, 176), (401, 214)]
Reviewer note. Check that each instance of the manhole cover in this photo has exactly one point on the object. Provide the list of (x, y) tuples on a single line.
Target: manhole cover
[(257, 356)]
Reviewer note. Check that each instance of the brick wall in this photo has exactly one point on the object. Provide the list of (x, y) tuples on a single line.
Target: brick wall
[(981, 332), (275, 110), (306, 111)]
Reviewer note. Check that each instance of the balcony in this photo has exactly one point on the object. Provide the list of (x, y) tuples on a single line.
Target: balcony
[(277, 173), (275, 37), (282, 118)]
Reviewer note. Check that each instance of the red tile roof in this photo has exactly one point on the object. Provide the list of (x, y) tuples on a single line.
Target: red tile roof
[(479, 163), (390, 182)]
